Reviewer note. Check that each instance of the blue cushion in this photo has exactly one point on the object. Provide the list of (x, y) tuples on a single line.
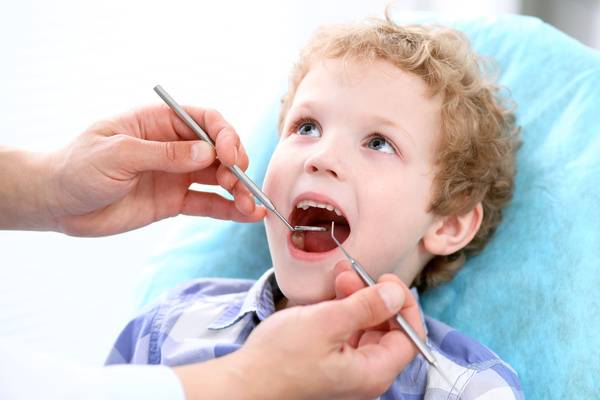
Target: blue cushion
[(531, 294)]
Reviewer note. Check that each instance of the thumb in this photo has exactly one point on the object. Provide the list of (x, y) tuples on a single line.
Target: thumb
[(174, 157), (369, 307)]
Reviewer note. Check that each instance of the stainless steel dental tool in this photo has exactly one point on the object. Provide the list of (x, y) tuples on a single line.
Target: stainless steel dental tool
[(366, 278), (254, 189)]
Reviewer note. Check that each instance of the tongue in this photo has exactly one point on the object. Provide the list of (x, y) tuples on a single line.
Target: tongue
[(319, 242)]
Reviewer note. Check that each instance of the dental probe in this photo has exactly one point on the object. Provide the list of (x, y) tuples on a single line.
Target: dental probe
[(189, 121), (410, 332)]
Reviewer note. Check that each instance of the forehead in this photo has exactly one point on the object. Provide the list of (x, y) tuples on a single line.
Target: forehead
[(374, 90), (366, 79)]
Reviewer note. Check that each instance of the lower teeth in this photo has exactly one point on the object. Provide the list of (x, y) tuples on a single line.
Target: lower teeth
[(298, 240)]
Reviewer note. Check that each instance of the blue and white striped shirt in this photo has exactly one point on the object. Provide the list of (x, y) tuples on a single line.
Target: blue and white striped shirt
[(209, 318)]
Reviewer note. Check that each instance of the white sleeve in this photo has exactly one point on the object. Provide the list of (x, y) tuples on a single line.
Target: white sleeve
[(26, 374)]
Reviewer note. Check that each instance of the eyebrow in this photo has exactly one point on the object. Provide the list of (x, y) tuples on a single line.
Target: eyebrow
[(304, 107)]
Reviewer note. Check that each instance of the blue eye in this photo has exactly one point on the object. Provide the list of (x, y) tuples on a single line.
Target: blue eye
[(379, 143), (308, 129)]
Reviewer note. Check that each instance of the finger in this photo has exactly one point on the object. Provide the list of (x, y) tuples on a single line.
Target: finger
[(215, 206), (226, 178), (243, 199), (341, 266), (230, 150), (206, 176), (410, 310), (198, 114), (370, 337), (341, 272), (381, 361), (367, 307), (354, 339), (227, 142), (138, 155), (347, 281), (159, 123), (381, 353), (389, 354)]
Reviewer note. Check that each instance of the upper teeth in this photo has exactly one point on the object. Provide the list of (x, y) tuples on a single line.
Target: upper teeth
[(304, 204)]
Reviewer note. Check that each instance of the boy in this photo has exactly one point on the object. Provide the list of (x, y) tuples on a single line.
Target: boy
[(392, 133)]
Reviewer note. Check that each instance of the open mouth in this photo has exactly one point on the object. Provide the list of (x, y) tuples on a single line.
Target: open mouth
[(312, 213)]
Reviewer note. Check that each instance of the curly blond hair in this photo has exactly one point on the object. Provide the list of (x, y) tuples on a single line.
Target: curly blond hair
[(475, 157)]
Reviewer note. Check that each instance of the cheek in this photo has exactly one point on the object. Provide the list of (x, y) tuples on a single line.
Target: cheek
[(286, 164), (275, 171), (393, 220), (404, 195)]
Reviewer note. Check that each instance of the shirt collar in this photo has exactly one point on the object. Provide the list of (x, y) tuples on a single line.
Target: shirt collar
[(260, 300)]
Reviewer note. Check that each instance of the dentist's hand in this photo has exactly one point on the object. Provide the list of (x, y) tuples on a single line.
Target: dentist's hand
[(304, 352), (348, 282), (127, 172)]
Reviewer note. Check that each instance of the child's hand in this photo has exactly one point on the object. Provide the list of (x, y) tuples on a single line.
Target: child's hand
[(136, 168)]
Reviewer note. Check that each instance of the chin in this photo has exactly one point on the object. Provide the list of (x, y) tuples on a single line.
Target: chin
[(304, 290)]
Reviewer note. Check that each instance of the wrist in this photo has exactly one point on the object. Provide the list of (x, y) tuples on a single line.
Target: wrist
[(25, 190), (234, 376), (213, 379), (258, 380)]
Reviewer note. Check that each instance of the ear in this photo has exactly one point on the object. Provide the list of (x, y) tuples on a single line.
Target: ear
[(451, 233)]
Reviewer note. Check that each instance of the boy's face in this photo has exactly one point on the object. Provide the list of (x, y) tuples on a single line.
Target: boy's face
[(359, 137)]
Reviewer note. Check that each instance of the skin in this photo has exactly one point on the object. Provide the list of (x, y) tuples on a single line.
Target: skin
[(338, 349), (363, 135), (136, 168), (124, 173), (347, 104)]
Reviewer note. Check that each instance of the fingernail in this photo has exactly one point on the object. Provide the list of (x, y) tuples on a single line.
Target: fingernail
[(235, 160), (201, 152), (392, 296)]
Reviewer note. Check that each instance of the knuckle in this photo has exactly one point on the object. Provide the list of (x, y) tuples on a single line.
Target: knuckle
[(104, 127), (226, 179), (239, 190), (210, 115), (221, 134), (121, 142), (170, 151), (203, 207), (366, 306), (213, 114)]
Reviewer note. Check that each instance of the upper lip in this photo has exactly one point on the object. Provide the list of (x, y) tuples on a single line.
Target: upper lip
[(318, 198)]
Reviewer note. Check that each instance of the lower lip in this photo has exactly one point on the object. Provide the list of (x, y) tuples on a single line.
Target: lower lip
[(306, 256)]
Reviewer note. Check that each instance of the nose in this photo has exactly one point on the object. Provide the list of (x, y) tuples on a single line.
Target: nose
[(324, 161)]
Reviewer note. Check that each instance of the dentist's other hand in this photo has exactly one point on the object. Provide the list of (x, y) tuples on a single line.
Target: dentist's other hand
[(303, 352), (348, 282), (127, 172)]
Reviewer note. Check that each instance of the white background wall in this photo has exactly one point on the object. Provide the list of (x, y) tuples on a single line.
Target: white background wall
[(66, 64), (579, 18)]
